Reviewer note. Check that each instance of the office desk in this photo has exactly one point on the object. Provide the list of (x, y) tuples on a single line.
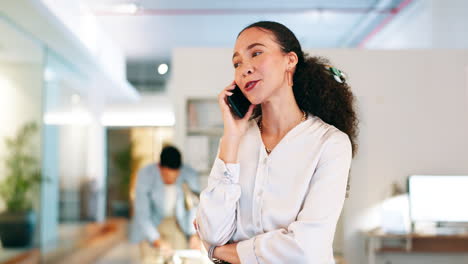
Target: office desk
[(380, 242)]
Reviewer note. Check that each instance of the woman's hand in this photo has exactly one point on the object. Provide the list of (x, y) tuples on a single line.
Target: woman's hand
[(227, 252), (233, 125)]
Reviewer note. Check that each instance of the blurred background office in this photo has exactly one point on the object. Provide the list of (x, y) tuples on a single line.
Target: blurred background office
[(91, 91)]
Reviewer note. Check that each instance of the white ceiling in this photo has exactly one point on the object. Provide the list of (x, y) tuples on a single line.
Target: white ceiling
[(160, 25)]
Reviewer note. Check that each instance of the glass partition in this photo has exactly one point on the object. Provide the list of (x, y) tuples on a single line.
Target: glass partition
[(67, 121), (51, 183), (21, 93)]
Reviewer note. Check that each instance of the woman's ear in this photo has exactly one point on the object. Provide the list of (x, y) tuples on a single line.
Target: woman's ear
[(292, 60)]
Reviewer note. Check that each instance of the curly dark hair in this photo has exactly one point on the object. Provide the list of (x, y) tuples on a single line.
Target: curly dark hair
[(315, 89)]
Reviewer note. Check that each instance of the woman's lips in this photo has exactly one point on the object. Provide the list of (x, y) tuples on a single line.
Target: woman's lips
[(251, 85)]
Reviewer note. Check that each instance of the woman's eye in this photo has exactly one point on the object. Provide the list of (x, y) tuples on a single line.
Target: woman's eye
[(256, 53), (236, 65)]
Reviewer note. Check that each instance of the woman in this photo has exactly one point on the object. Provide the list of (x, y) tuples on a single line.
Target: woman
[(278, 185)]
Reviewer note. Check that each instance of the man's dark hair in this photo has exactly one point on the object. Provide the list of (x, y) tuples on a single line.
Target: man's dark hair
[(170, 157)]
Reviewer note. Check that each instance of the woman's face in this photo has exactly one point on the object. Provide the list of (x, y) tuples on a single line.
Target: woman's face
[(259, 64)]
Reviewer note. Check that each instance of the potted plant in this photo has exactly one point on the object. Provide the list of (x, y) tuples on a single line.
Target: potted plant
[(126, 164), (18, 188)]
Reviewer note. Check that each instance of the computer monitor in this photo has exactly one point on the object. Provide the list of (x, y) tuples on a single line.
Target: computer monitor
[(438, 198)]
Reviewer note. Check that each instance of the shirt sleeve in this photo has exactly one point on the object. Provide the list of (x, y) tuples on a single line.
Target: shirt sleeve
[(216, 216), (143, 208), (309, 239)]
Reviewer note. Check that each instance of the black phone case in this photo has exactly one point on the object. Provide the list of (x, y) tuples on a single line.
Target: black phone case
[(238, 102)]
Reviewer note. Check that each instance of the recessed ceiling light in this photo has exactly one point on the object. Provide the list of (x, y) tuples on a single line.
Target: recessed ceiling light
[(162, 69)]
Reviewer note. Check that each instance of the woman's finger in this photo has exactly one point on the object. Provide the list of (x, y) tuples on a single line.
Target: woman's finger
[(249, 112), (222, 99), (230, 87)]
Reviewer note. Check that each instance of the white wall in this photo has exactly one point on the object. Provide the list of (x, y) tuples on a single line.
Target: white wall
[(413, 110), (413, 107), (20, 102), (198, 72)]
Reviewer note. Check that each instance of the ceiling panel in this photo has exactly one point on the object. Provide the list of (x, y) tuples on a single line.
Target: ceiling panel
[(160, 25), (213, 4)]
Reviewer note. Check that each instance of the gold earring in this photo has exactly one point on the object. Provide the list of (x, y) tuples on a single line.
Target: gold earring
[(290, 78)]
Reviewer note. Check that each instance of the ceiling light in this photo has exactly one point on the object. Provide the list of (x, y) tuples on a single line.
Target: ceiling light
[(75, 117), (128, 8), (162, 69), (142, 118)]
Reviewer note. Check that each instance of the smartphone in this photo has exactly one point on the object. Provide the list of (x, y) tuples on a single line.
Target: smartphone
[(238, 102)]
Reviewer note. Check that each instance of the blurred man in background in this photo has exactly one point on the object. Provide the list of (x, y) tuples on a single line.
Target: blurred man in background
[(163, 206)]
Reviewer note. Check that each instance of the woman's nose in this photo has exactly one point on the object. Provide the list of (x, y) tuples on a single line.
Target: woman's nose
[(247, 70)]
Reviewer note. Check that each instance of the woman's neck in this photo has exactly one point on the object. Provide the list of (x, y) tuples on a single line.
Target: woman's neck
[(280, 114)]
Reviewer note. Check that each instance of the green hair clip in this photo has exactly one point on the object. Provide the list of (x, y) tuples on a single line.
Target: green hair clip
[(337, 74)]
